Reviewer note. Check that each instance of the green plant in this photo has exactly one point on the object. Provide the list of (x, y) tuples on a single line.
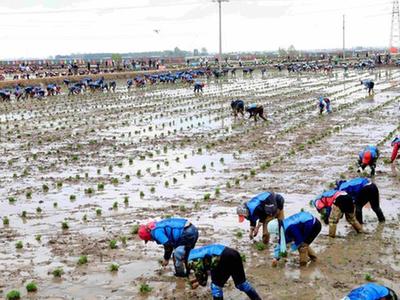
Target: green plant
[(141, 194), (174, 180), (98, 211), (126, 200), (19, 245), (207, 196), (115, 205), (83, 260), (100, 186), (12, 200), (123, 240), (182, 208), (38, 237), (28, 195), (23, 214), (84, 218), (252, 172), (45, 188), (64, 225), (368, 277), (13, 295), (58, 272), (217, 191), (243, 257), (260, 246), (72, 197), (113, 244), (114, 267), (152, 189), (135, 229), (145, 288), (31, 287), (55, 204), (239, 234), (89, 191), (166, 183), (38, 210)]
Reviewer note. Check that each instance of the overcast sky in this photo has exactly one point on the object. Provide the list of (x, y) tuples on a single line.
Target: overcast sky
[(40, 28)]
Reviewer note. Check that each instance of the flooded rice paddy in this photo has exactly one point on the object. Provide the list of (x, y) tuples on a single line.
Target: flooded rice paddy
[(78, 172)]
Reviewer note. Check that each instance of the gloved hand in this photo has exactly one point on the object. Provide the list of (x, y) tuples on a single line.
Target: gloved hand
[(274, 263)]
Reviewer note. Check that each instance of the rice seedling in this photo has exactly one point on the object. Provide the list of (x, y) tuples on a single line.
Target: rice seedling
[(13, 295), (83, 260), (64, 225), (31, 287), (135, 229), (145, 288), (19, 245), (58, 272), (114, 267)]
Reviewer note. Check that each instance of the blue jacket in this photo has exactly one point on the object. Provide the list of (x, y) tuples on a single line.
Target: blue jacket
[(369, 291), (297, 228), (372, 149), (253, 203), (353, 186), (168, 231), (209, 250)]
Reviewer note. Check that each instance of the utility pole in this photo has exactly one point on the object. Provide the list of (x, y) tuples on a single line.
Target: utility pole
[(395, 29), (344, 40), (220, 31)]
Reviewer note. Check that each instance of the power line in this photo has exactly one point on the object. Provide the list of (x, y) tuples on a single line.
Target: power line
[(96, 9)]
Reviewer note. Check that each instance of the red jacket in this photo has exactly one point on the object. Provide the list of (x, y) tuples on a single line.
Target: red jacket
[(395, 151)]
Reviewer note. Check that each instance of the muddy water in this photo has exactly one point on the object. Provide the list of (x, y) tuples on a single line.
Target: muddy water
[(165, 149)]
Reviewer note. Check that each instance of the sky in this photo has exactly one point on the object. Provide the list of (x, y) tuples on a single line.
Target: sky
[(42, 28)]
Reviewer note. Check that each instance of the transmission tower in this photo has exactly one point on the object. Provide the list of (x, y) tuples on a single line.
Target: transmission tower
[(395, 29)]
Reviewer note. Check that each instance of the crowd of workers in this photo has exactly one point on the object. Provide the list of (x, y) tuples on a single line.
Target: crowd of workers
[(266, 210)]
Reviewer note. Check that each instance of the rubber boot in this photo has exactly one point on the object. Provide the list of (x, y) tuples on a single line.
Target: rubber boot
[(332, 230), (252, 294), (303, 255), (357, 226), (265, 239), (311, 254)]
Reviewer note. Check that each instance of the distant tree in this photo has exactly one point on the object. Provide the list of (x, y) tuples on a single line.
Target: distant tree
[(292, 51), (282, 52), (117, 58)]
